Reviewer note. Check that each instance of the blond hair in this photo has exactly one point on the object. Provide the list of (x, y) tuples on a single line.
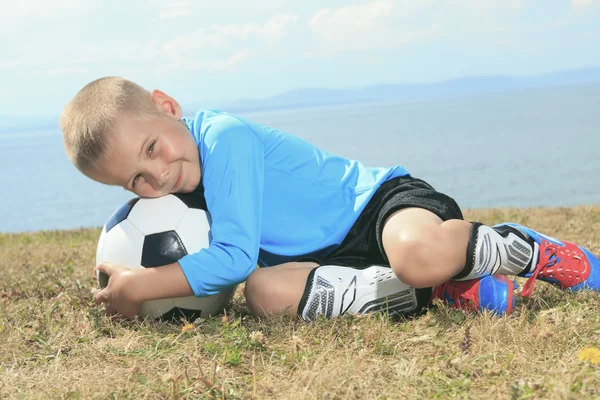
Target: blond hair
[(88, 119)]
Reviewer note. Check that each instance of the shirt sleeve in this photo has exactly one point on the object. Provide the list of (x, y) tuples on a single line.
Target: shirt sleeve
[(233, 176)]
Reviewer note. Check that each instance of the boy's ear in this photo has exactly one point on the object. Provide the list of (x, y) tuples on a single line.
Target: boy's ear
[(166, 103)]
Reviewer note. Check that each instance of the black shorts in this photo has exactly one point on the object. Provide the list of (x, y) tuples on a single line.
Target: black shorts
[(363, 244)]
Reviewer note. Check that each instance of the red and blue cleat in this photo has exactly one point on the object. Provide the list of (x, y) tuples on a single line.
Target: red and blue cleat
[(493, 293), (560, 263)]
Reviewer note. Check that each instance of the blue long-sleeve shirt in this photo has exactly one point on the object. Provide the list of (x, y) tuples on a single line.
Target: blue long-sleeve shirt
[(272, 198)]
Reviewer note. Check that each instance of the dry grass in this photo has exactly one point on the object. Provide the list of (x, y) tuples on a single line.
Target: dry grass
[(54, 343)]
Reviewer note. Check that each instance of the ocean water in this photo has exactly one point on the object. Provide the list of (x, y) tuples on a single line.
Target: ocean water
[(536, 147)]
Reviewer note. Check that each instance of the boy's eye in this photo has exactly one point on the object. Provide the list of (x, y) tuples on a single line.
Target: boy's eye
[(135, 179), (151, 148)]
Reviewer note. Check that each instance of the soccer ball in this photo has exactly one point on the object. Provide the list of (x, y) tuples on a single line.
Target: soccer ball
[(148, 233)]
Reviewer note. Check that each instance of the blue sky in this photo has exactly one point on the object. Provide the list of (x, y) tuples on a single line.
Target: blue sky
[(231, 49)]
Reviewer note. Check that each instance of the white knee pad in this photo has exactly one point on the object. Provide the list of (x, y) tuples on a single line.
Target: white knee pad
[(332, 291)]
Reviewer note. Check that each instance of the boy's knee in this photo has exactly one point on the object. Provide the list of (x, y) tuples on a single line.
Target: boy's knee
[(409, 259), (276, 290), (253, 281), (253, 288)]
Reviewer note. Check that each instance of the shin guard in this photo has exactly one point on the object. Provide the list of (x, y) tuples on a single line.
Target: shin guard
[(497, 250), (332, 291)]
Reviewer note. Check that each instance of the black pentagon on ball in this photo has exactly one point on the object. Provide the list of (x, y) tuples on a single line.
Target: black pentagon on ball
[(177, 314), (121, 214), (103, 280), (161, 249)]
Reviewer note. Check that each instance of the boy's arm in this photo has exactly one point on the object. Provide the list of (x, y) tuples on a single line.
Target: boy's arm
[(161, 283), (233, 158)]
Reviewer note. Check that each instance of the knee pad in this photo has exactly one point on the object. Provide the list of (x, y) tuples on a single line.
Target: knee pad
[(332, 291)]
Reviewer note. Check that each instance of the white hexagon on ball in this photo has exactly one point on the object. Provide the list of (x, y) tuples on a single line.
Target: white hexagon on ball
[(157, 215)]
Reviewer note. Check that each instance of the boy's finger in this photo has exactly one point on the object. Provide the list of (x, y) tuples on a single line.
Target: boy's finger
[(100, 297), (105, 267)]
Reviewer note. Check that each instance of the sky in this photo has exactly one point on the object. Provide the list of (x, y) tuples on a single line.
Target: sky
[(232, 49)]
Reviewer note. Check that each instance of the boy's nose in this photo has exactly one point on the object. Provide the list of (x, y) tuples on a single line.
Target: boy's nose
[(163, 176), (160, 175)]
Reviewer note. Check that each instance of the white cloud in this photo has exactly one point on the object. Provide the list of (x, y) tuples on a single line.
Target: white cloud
[(276, 28), (370, 25), (219, 36), (17, 16), (392, 24), (332, 25), (176, 9), (489, 5), (581, 3), (174, 13), (218, 47)]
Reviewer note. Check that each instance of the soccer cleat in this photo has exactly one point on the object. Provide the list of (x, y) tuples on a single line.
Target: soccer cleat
[(560, 263), (493, 293)]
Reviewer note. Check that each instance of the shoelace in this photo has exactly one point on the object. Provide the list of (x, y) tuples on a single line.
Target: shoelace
[(548, 258), (460, 298)]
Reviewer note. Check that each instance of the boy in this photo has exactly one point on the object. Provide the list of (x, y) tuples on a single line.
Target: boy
[(274, 199)]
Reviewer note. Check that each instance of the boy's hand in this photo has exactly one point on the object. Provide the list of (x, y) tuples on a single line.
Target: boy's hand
[(119, 296)]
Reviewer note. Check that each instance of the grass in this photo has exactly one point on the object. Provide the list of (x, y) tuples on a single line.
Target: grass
[(54, 343)]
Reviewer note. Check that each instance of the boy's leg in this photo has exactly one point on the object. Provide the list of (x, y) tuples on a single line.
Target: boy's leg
[(421, 233), (278, 289), (308, 290), (424, 251), (331, 291)]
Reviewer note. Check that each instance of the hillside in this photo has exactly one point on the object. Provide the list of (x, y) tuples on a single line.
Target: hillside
[(54, 343)]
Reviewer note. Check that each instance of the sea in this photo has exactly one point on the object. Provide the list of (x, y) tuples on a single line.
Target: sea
[(527, 148)]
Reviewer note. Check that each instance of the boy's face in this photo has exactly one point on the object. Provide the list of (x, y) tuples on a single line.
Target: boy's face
[(152, 158)]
